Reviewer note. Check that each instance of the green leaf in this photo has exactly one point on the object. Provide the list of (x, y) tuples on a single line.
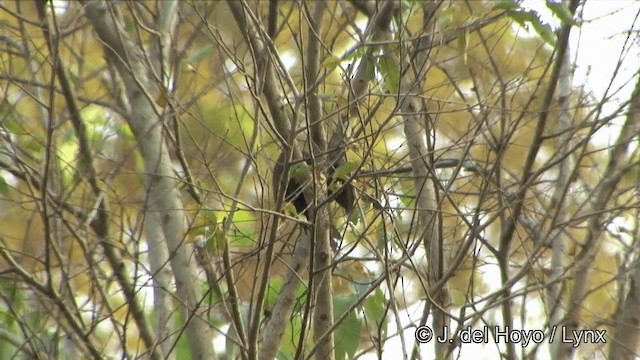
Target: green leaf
[(200, 54), (213, 296), (217, 241), (343, 171), (129, 24), (241, 238), (75, 79), (463, 43), (325, 96), (357, 54), (523, 18), (370, 70), (299, 170), (508, 5), (375, 311), (390, 74), (357, 215), (290, 339), (561, 11), (445, 17), (374, 306), (347, 336), (407, 193), (182, 349), (211, 217), (545, 31), (4, 187), (274, 289), (331, 62), (381, 237)]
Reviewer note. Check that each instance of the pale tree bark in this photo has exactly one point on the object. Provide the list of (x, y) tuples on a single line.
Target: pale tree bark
[(164, 199), (417, 130), (426, 206), (165, 324), (162, 274), (281, 312), (99, 219), (321, 289), (590, 245), (558, 237)]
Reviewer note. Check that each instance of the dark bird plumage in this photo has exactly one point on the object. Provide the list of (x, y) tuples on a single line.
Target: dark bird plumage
[(346, 192), (294, 192)]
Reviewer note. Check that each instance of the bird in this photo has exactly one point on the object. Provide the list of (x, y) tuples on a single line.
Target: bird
[(345, 197), (293, 191)]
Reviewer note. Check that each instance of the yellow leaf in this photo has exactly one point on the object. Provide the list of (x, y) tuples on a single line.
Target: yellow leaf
[(331, 62)]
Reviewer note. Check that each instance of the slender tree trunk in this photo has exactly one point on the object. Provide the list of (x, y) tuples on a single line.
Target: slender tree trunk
[(164, 199)]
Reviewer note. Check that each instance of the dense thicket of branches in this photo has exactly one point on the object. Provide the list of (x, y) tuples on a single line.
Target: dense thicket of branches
[(296, 179)]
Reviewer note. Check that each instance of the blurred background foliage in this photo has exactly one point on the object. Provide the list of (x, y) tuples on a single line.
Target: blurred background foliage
[(485, 89)]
